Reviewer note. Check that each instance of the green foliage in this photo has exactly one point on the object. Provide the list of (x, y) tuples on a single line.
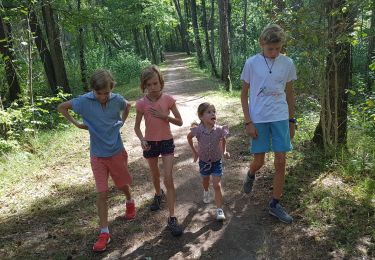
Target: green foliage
[(21, 121)]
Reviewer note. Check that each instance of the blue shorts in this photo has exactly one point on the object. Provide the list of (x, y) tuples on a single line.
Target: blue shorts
[(164, 147), (207, 169), (272, 136)]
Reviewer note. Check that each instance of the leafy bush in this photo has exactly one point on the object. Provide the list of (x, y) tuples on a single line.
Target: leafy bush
[(19, 122)]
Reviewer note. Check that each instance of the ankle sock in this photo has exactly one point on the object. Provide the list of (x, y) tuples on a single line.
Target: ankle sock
[(104, 230), (274, 202)]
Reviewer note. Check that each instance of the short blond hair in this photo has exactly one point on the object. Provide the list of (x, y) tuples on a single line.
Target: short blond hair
[(272, 33)]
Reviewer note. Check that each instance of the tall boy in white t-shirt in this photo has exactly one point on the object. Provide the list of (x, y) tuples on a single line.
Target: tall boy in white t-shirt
[(269, 111)]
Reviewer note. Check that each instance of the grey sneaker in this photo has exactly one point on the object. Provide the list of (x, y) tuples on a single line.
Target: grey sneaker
[(173, 226), (280, 213), (248, 183), (220, 214), (155, 205)]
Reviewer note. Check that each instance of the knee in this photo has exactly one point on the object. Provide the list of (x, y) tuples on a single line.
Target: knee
[(217, 185), (168, 182), (279, 162)]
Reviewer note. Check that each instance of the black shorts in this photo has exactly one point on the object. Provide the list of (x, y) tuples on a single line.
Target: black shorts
[(164, 147)]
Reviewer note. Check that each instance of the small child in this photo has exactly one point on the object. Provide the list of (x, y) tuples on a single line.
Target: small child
[(211, 147), (155, 107), (269, 111), (100, 110)]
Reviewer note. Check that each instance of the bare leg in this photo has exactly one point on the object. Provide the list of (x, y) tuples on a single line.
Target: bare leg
[(206, 182), (278, 179), (168, 182), (102, 206), (218, 191), (153, 164), (257, 162), (126, 191)]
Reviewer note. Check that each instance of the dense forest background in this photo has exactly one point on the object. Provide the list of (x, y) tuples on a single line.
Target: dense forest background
[(49, 49)]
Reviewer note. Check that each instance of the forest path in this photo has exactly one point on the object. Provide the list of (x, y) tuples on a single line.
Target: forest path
[(247, 233)]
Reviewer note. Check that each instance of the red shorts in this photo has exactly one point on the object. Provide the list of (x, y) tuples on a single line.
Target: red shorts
[(116, 166)]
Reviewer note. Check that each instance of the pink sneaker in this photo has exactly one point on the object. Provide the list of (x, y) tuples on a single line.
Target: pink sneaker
[(130, 210), (101, 242)]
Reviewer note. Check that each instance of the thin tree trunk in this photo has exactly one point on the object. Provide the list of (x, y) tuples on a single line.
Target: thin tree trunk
[(82, 60), (224, 44), (150, 43), (6, 49), (183, 30), (43, 50), (198, 44), (161, 53), (53, 36), (30, 61), (136, 41), (212, 30), (370, 49), (244, 29), (207, 41)]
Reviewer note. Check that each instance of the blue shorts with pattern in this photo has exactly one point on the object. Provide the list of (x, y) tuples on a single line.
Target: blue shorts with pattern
[(210, 168), (164, 147)]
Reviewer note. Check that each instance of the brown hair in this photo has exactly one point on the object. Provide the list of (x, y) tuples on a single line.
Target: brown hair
[(100, 79), (272, 33), (148, 73), (203, 107)]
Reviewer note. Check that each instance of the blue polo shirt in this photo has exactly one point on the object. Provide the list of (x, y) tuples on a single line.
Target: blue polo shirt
[(104, 123)]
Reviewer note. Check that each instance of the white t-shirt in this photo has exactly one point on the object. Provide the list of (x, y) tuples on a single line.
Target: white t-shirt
[(267, 98)]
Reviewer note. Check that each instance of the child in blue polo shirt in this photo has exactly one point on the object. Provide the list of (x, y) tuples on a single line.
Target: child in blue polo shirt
[(100, 110)]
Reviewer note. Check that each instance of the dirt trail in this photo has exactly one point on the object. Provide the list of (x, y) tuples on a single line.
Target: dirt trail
[(247, 232), (61, 221)]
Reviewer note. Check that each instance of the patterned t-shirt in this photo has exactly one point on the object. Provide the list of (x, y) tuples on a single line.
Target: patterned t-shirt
[(209, 149)]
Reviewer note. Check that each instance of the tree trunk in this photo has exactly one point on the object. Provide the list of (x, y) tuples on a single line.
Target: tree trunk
[(207, 41), (150, 43), (224, 44), (212, 30), (244, 29), (332, 128), (43, 50), (370, 50), (198, 44), (53, 36), (161, 53), (82, 61), (6, 49), (137, 45), (183, 31)]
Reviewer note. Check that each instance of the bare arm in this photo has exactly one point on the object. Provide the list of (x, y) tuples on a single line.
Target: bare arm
[(291, 105), (190, 141), (63, 108), (125, 113), (250, 128), (138, 132), (224, 148)]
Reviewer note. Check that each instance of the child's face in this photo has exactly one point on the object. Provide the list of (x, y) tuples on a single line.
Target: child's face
[(209, 116), (153, 86), (271, 50), (102, 95)]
